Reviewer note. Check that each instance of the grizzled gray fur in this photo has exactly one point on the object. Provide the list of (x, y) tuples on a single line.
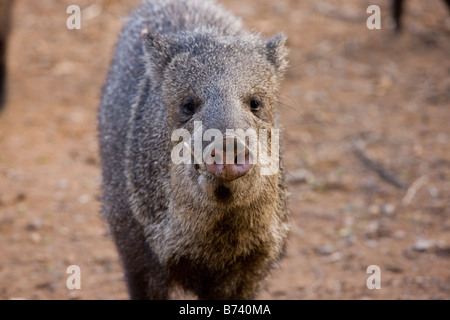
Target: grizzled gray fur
[(211, 233)]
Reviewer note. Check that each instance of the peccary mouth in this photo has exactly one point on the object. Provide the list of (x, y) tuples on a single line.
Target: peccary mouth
[(219, 188), (223, 193)]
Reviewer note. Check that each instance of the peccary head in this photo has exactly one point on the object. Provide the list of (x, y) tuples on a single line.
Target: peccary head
[(221, 91)]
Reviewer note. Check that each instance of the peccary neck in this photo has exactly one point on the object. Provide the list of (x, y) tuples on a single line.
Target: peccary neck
[(230, 231)]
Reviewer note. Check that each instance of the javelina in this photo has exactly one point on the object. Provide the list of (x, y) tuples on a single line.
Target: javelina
[(215, 229), (397, 11), (5, 14)]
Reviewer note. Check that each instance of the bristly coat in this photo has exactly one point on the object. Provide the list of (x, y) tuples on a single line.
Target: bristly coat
[(173, 226)]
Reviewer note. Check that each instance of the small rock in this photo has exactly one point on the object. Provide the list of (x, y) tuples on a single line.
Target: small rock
[(83, 199), (34, 225), (371, 243), (383, 230), (374, 209), (394, 268), (279, 8), (385, 82), (21, 197), (58, 196), (324, 250), (336, 256), (62, 184), (48, 285), (91, 161), (22, 208), (423, 245), (35, 237), (434, 192), (443, 251), (345, 232), (399, 234), (74, 295), (64, 68), (92, 11), (301, 176), (388, 209), (350, 240), (409, 253)]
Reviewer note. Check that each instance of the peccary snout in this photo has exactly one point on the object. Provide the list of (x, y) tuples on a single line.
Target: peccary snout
[(228, 158)]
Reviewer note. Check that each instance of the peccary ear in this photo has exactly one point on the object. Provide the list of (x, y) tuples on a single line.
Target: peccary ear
[(277, 52), (158, 50)]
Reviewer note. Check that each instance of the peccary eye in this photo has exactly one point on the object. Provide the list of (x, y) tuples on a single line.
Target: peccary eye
[(188, 106), (256, 104)]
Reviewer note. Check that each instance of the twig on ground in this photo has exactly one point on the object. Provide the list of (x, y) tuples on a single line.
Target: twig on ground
[(412, 190), (334, 12), (377, 167)]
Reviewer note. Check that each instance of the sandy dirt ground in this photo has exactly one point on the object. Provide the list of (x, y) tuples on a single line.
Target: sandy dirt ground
[(366, 118)]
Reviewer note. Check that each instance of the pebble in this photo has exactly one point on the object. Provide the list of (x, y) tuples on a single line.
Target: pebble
[(74, 295), (35, 237), (301, 176), (35, 224), (324, 250), (388, 209), (83, 199), (336, 256), (423, 245)]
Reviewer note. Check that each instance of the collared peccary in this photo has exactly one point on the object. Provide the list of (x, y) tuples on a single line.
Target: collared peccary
[(5, 17), (215, 229), (397, 11)]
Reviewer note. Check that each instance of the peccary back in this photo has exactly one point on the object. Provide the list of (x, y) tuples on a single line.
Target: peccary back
[(189, 199)]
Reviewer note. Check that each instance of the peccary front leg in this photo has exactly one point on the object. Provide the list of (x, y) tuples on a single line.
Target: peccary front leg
[(397, 11), (145, 276), (238, 281), (2, 72), (397, 8), (5, 13)]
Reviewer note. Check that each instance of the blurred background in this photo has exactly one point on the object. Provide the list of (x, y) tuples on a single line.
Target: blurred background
[(366, 119)]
